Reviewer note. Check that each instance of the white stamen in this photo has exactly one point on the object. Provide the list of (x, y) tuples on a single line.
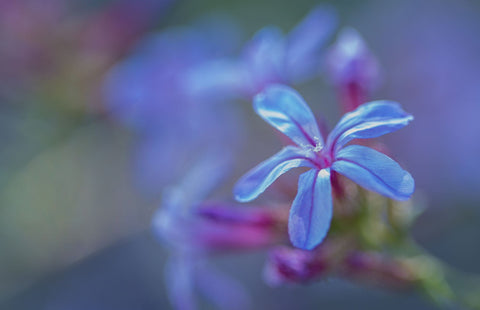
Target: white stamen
[(318, 147)]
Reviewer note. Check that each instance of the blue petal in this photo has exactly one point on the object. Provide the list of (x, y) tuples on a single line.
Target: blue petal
[(179, 281), (265, 53), (306, 40), (218, 79), (374, 171), (206, 174), (370, 120), (201, 179), (262, 176), (283, 108), (157, 160), (127, 92), (311, 211)]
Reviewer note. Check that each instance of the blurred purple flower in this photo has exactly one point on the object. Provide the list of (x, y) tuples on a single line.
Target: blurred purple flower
[(147, 92), (311, 211), (192, 232), (209, 227), (148, 88), (269, 57), (353, 69)]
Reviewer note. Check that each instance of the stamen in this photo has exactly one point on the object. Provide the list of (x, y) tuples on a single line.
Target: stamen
[(318, 147)]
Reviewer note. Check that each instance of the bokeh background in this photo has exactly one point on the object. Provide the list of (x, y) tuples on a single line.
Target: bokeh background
[(74, 222)]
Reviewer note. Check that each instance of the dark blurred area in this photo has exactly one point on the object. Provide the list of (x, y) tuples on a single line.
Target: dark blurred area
[(77, 188)]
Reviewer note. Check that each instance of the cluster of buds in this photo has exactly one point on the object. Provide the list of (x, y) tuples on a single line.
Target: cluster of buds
[(287, 265)]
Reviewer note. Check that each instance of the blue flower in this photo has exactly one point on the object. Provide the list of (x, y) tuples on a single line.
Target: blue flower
[(190, 238), (269, 57), (147, 90), (147, 93), (311, 211)]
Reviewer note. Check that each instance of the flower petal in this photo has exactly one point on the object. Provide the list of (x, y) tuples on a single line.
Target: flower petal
[(283, 108), (265, 53), (179, 282), (262, 176), (206, 174), (370, 120), (311, 211), (222, 78), (305, 41), (374, 171)]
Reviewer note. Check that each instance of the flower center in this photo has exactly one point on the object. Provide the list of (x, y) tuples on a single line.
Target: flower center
[(318, 147), (320, 154)]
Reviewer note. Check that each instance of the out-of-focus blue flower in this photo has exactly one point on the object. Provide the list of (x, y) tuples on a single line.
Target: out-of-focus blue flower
[(147, 92), (353, 69), (175, 223), (193, 230), (269, 57), (311, 211)]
